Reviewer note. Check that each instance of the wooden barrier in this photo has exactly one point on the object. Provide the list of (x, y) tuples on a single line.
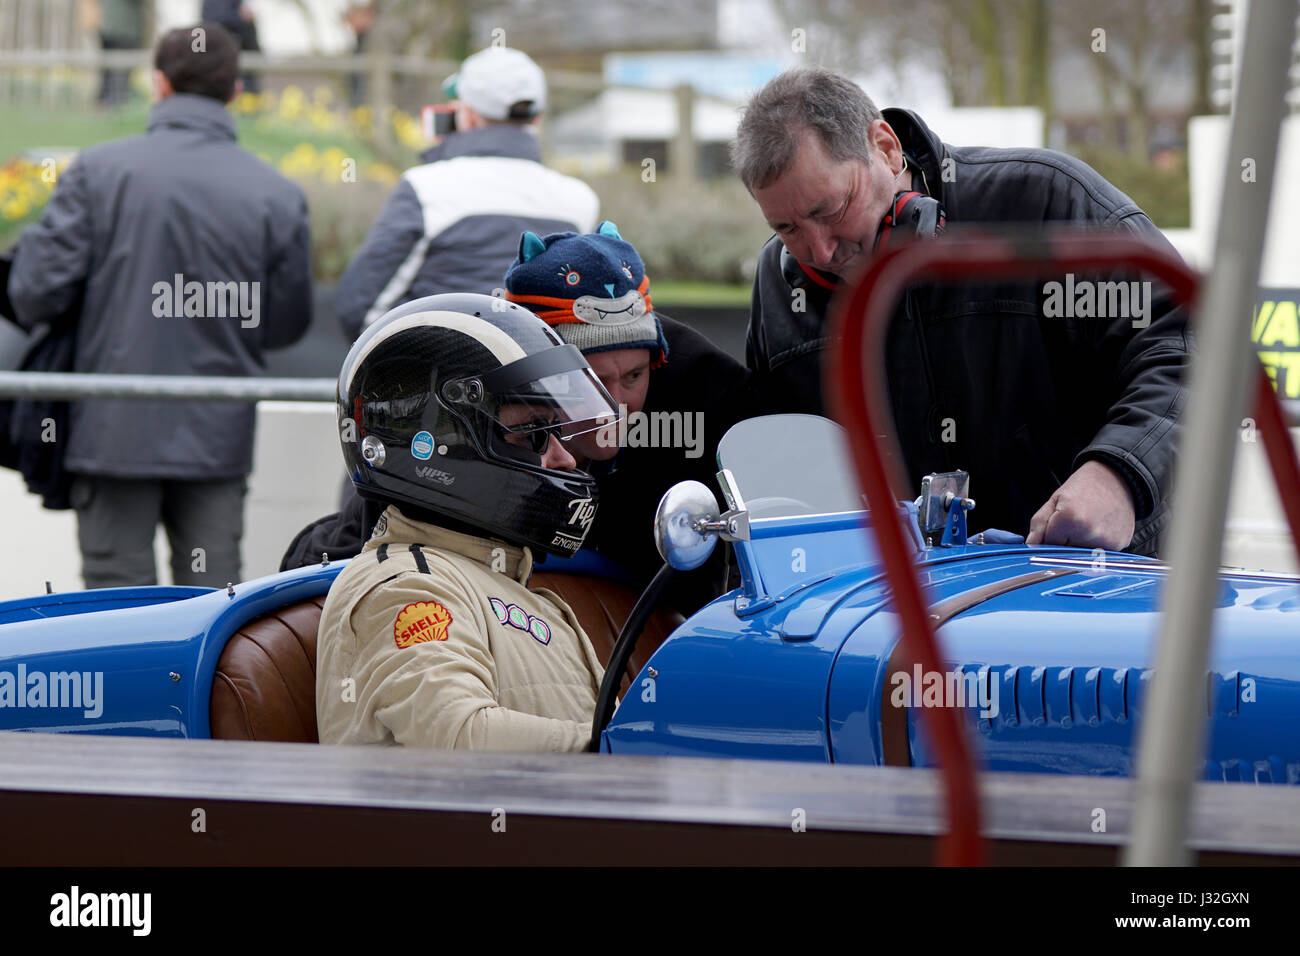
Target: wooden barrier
[(88, 800)]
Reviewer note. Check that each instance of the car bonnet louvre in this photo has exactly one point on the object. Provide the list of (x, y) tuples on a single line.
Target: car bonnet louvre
[(1284, 598), (895, 739), (1101, 586)]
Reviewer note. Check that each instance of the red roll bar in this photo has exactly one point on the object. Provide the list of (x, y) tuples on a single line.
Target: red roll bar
[(855, 396)]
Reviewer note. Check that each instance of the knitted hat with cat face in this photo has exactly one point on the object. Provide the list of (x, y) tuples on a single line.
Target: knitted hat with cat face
[(592, 288)]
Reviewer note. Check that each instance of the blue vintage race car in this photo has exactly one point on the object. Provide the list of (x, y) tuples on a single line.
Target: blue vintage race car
[(1047, 648)]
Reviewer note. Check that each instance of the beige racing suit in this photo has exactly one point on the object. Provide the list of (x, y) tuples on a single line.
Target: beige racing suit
[(430, 638)]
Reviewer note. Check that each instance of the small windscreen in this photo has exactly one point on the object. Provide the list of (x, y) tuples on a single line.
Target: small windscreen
[(788, 465)]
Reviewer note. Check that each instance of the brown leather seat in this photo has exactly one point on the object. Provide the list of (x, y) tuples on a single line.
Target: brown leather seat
[(265, 685)]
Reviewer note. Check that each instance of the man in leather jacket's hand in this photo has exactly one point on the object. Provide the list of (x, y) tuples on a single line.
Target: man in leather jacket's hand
[(1093, 509)]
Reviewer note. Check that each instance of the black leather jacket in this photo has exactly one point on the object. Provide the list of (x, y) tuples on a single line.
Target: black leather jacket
[(979, 376)]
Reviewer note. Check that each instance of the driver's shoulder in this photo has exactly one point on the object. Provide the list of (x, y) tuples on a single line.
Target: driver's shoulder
[(389, 573)]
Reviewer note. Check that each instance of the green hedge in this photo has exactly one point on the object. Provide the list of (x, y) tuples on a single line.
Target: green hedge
[(1163, 194)]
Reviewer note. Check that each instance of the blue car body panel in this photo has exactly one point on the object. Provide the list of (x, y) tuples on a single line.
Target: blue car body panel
[(792, 665), (137, 639)]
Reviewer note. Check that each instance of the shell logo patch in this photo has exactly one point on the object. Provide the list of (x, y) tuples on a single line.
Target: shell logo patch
[(420, 622)]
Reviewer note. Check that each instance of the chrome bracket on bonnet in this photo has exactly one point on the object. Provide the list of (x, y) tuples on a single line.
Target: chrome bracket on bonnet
[(732, 524), (941, 508)]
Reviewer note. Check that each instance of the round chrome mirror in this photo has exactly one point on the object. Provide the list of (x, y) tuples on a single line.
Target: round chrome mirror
[(680, 509)]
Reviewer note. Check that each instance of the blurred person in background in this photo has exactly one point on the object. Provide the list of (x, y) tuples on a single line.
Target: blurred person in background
[(453, 223), (194, 258), (239, 17), (120, 25), (359, 17)]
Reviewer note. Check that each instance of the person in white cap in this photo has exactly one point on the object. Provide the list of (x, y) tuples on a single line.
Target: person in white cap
[(497, 84), (453, 223)]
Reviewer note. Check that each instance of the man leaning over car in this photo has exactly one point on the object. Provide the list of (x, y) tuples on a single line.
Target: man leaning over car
[(1066, 426)]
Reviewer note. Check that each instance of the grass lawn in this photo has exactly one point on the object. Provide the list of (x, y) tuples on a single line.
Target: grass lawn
[(666, 292), (34, 132), (32, 129), (28, 129)]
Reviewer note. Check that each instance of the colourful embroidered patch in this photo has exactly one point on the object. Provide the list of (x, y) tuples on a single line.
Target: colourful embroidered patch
[(420, 622), (512, 615), (537, 627)]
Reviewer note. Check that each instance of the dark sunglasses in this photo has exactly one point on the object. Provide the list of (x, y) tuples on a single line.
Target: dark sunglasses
[(537, 432)]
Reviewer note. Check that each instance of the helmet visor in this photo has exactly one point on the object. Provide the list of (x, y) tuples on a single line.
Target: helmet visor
[(563, 405), (553, 393)]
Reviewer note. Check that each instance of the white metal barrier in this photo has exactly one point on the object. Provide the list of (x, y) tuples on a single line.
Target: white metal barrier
[(297, 473)]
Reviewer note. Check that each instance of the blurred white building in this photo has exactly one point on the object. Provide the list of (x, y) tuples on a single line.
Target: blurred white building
[(637, 117)]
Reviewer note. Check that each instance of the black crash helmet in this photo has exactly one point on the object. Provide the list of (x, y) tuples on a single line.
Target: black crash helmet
[(448, 402)]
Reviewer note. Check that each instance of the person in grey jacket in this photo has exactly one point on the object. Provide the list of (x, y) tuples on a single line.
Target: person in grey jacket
[(194, 258), (453, 224)]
